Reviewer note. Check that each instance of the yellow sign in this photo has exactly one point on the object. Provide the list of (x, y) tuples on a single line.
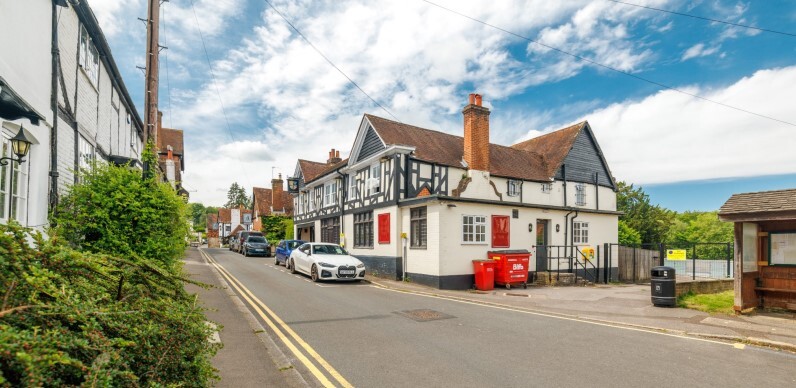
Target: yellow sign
[(588, 253), (675, 254)]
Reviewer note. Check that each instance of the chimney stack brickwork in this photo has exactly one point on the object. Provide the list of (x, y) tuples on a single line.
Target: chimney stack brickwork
[(276, 194), (476, 134), (334, 157)]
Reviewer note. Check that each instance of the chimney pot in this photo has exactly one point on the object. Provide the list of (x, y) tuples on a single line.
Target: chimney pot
[(472, 98), (478, 99), (337, 154)]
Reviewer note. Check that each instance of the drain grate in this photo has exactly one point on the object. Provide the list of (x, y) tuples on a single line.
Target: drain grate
[(424, 315)]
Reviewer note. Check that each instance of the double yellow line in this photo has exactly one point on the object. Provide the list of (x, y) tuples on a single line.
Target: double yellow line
[(283, 331)]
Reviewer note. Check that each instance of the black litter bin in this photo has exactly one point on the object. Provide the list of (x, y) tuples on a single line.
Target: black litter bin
[(663, 286)]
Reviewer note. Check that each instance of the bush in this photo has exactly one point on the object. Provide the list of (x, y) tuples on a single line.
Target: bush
[(102, 301)]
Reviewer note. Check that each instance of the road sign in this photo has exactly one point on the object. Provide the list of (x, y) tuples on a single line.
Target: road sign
[(675, 254)]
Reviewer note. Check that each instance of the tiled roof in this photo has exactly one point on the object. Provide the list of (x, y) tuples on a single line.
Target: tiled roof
[(262, 198), (237, 229), (760, 202), (211, 220), (553, 147), (327, 168), (310, 169), (170, 137), (225, 216), (446, 149)]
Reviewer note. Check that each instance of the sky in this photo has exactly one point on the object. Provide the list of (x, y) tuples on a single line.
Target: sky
[(253, 97)]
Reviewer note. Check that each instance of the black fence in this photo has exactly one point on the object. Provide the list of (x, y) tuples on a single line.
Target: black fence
[(586, 263)]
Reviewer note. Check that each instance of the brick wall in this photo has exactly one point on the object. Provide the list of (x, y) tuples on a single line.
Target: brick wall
[(711, 286), (476, 134)]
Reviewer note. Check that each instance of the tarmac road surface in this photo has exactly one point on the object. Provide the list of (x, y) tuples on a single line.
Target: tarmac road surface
[(357, 334)]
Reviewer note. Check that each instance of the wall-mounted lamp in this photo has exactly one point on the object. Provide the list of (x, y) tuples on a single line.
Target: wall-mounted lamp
[(20, 145), (530, 227), (558, 227)]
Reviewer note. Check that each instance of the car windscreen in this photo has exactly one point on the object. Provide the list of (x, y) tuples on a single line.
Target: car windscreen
[(328, 250), (256, 239), (294, 244)]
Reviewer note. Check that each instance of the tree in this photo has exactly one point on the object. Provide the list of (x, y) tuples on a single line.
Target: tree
[(274, 228), (651, 221), (236, 196), (198, 215), (628, 236)]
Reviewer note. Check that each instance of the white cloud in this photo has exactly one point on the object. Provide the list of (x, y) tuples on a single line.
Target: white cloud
[(699, 50), (670, 137)]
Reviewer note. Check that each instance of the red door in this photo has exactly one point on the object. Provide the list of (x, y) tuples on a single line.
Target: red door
[(500, 231), (384, 228)]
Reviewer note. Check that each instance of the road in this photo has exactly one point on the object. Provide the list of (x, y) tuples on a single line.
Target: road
[(357, 334)]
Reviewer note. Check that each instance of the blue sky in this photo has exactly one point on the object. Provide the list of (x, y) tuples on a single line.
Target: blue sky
[(283, 101)]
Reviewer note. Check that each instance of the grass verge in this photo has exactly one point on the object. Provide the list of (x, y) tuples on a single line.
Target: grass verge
[(720, 303)]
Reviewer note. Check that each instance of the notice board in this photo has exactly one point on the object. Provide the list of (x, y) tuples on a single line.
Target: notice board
[(783, 248)]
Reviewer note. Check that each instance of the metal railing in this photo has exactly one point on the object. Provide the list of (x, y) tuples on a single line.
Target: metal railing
[(703, 260), (575, 260)]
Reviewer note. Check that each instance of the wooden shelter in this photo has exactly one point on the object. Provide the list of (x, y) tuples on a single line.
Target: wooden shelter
[(765, 248)]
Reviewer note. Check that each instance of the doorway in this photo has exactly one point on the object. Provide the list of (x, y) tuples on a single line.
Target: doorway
[(542, 241)]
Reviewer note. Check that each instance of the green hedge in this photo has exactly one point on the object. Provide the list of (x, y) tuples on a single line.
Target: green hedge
[(102, 301)]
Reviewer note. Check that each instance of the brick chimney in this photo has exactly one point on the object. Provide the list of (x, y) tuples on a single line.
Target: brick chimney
[(276, 194), (334, 157), (476, 134)]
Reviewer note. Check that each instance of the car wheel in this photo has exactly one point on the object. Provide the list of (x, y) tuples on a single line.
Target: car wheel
[(292, 267), (276, 261), (314, 273)]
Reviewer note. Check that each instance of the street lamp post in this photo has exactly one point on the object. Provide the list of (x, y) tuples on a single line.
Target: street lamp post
[(20, 145)]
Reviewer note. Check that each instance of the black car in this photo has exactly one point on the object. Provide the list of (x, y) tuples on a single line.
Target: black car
[(242, 236), (255, 246)]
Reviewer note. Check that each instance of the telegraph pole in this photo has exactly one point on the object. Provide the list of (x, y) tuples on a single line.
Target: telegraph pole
[(151, 87)]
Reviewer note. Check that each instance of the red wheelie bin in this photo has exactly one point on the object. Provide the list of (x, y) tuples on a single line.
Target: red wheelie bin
[(511, 267), (484, 274)]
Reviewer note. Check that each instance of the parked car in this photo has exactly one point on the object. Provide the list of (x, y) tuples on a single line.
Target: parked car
[(255, 246), (231, 242), (283, 250), (243, 235), (324, 261)]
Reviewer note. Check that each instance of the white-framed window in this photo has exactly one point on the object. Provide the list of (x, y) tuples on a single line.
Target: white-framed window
[(547, 188), (16, 174), (353, 193), (580, 232), (514, 188), (85, 153), (580, 194), (374, 183), (330, 193), (473, 229), (89, 57)]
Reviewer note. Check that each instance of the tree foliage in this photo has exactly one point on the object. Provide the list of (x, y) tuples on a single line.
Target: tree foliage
[(275, 227), (628, 236), (198, 214), (236, 196), (101, 302), (651, 221)]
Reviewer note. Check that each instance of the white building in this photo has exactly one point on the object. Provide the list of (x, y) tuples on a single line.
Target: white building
[(96, 116), (435, 202)]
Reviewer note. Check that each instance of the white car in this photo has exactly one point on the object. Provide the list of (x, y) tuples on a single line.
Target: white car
[(324, 261)]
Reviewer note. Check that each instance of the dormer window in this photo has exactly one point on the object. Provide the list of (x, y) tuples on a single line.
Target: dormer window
[(514, 188)]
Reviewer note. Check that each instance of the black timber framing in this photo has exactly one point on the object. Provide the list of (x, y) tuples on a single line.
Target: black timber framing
[(584, 160)]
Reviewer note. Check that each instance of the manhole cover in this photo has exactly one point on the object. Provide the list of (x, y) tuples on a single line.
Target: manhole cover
[(424, 315)]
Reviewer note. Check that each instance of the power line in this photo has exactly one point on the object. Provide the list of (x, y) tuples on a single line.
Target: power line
[(593, 62), (218, 92), (329, 60), (704, 18)]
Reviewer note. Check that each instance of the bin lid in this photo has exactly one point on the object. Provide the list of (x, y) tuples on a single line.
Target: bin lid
[(663, 268), (511, 251)]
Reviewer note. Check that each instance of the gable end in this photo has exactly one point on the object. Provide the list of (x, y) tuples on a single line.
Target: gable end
[(584, 160), (371, 145)]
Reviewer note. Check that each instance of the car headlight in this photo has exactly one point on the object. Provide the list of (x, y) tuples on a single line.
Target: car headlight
[(327, 265), (360, 265)]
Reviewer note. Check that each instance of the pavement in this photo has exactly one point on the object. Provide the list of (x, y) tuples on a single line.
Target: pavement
[(628, 305), (249, 357)]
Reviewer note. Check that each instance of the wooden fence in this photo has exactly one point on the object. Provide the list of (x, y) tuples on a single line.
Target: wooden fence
[(644, 260)]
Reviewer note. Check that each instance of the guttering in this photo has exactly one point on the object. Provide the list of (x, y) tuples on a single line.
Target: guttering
[(343, 198), (566, 226), (55, 61), (572, 235)]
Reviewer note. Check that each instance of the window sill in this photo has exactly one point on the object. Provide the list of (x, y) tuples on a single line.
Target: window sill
[(356, 247), (474, 243), (423, 248)]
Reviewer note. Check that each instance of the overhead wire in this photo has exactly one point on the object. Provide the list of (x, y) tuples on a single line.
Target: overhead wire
[(704, 18), (330, 61), (608, 67), (218, 92)]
